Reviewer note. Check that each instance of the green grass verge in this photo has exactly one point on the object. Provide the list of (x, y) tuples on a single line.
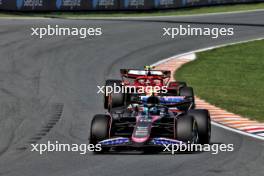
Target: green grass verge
[(186, 11), (231, 77)]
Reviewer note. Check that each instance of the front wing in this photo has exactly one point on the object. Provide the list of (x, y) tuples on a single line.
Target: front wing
[(126, 142)]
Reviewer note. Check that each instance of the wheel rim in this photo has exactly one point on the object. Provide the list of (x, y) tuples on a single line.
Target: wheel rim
[(195, 136)]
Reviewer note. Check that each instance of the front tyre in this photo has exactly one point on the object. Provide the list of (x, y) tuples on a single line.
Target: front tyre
[(100, 130), (112, 99), (186, 129), (203, 120)]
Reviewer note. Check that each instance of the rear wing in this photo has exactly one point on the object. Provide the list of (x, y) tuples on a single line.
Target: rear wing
[(169, 100), (181, 102), (133, 74)]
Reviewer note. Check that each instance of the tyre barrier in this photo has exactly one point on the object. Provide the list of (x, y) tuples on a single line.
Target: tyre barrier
[(93, 5)]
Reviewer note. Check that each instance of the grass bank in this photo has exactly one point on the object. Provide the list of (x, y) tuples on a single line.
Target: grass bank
[(231, 77)]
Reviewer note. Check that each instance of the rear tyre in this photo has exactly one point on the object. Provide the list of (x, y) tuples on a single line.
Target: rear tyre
[(188, 92), (181, 84), (113, 99), (186, 129), (203, 120), (100, 130), (175, 86)]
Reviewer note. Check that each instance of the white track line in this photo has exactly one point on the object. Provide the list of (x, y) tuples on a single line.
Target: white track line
[(238, 131)]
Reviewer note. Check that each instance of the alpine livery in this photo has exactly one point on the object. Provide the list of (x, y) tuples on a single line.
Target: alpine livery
[(151, 122)]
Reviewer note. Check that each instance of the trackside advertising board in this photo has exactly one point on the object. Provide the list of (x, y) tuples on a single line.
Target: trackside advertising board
[(93, 5)]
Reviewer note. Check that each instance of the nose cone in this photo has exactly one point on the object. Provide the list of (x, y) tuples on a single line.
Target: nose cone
[(142, 130), (140, 139)]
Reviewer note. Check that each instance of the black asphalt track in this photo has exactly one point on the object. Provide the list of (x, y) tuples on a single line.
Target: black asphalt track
[(56, 78)]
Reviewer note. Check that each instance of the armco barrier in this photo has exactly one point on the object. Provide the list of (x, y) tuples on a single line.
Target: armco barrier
[(90, 5)]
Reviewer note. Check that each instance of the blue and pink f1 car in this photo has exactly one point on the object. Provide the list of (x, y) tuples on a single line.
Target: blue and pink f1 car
[(152, 121)]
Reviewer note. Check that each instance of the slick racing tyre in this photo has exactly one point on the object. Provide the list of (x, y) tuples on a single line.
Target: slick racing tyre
[(186, 129), (181, 84), (116, 99), (100, 130), (175, 86), (188, 92), (203, 120)]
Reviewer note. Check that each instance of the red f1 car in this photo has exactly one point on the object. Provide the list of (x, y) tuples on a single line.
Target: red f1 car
[(143, 82)]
